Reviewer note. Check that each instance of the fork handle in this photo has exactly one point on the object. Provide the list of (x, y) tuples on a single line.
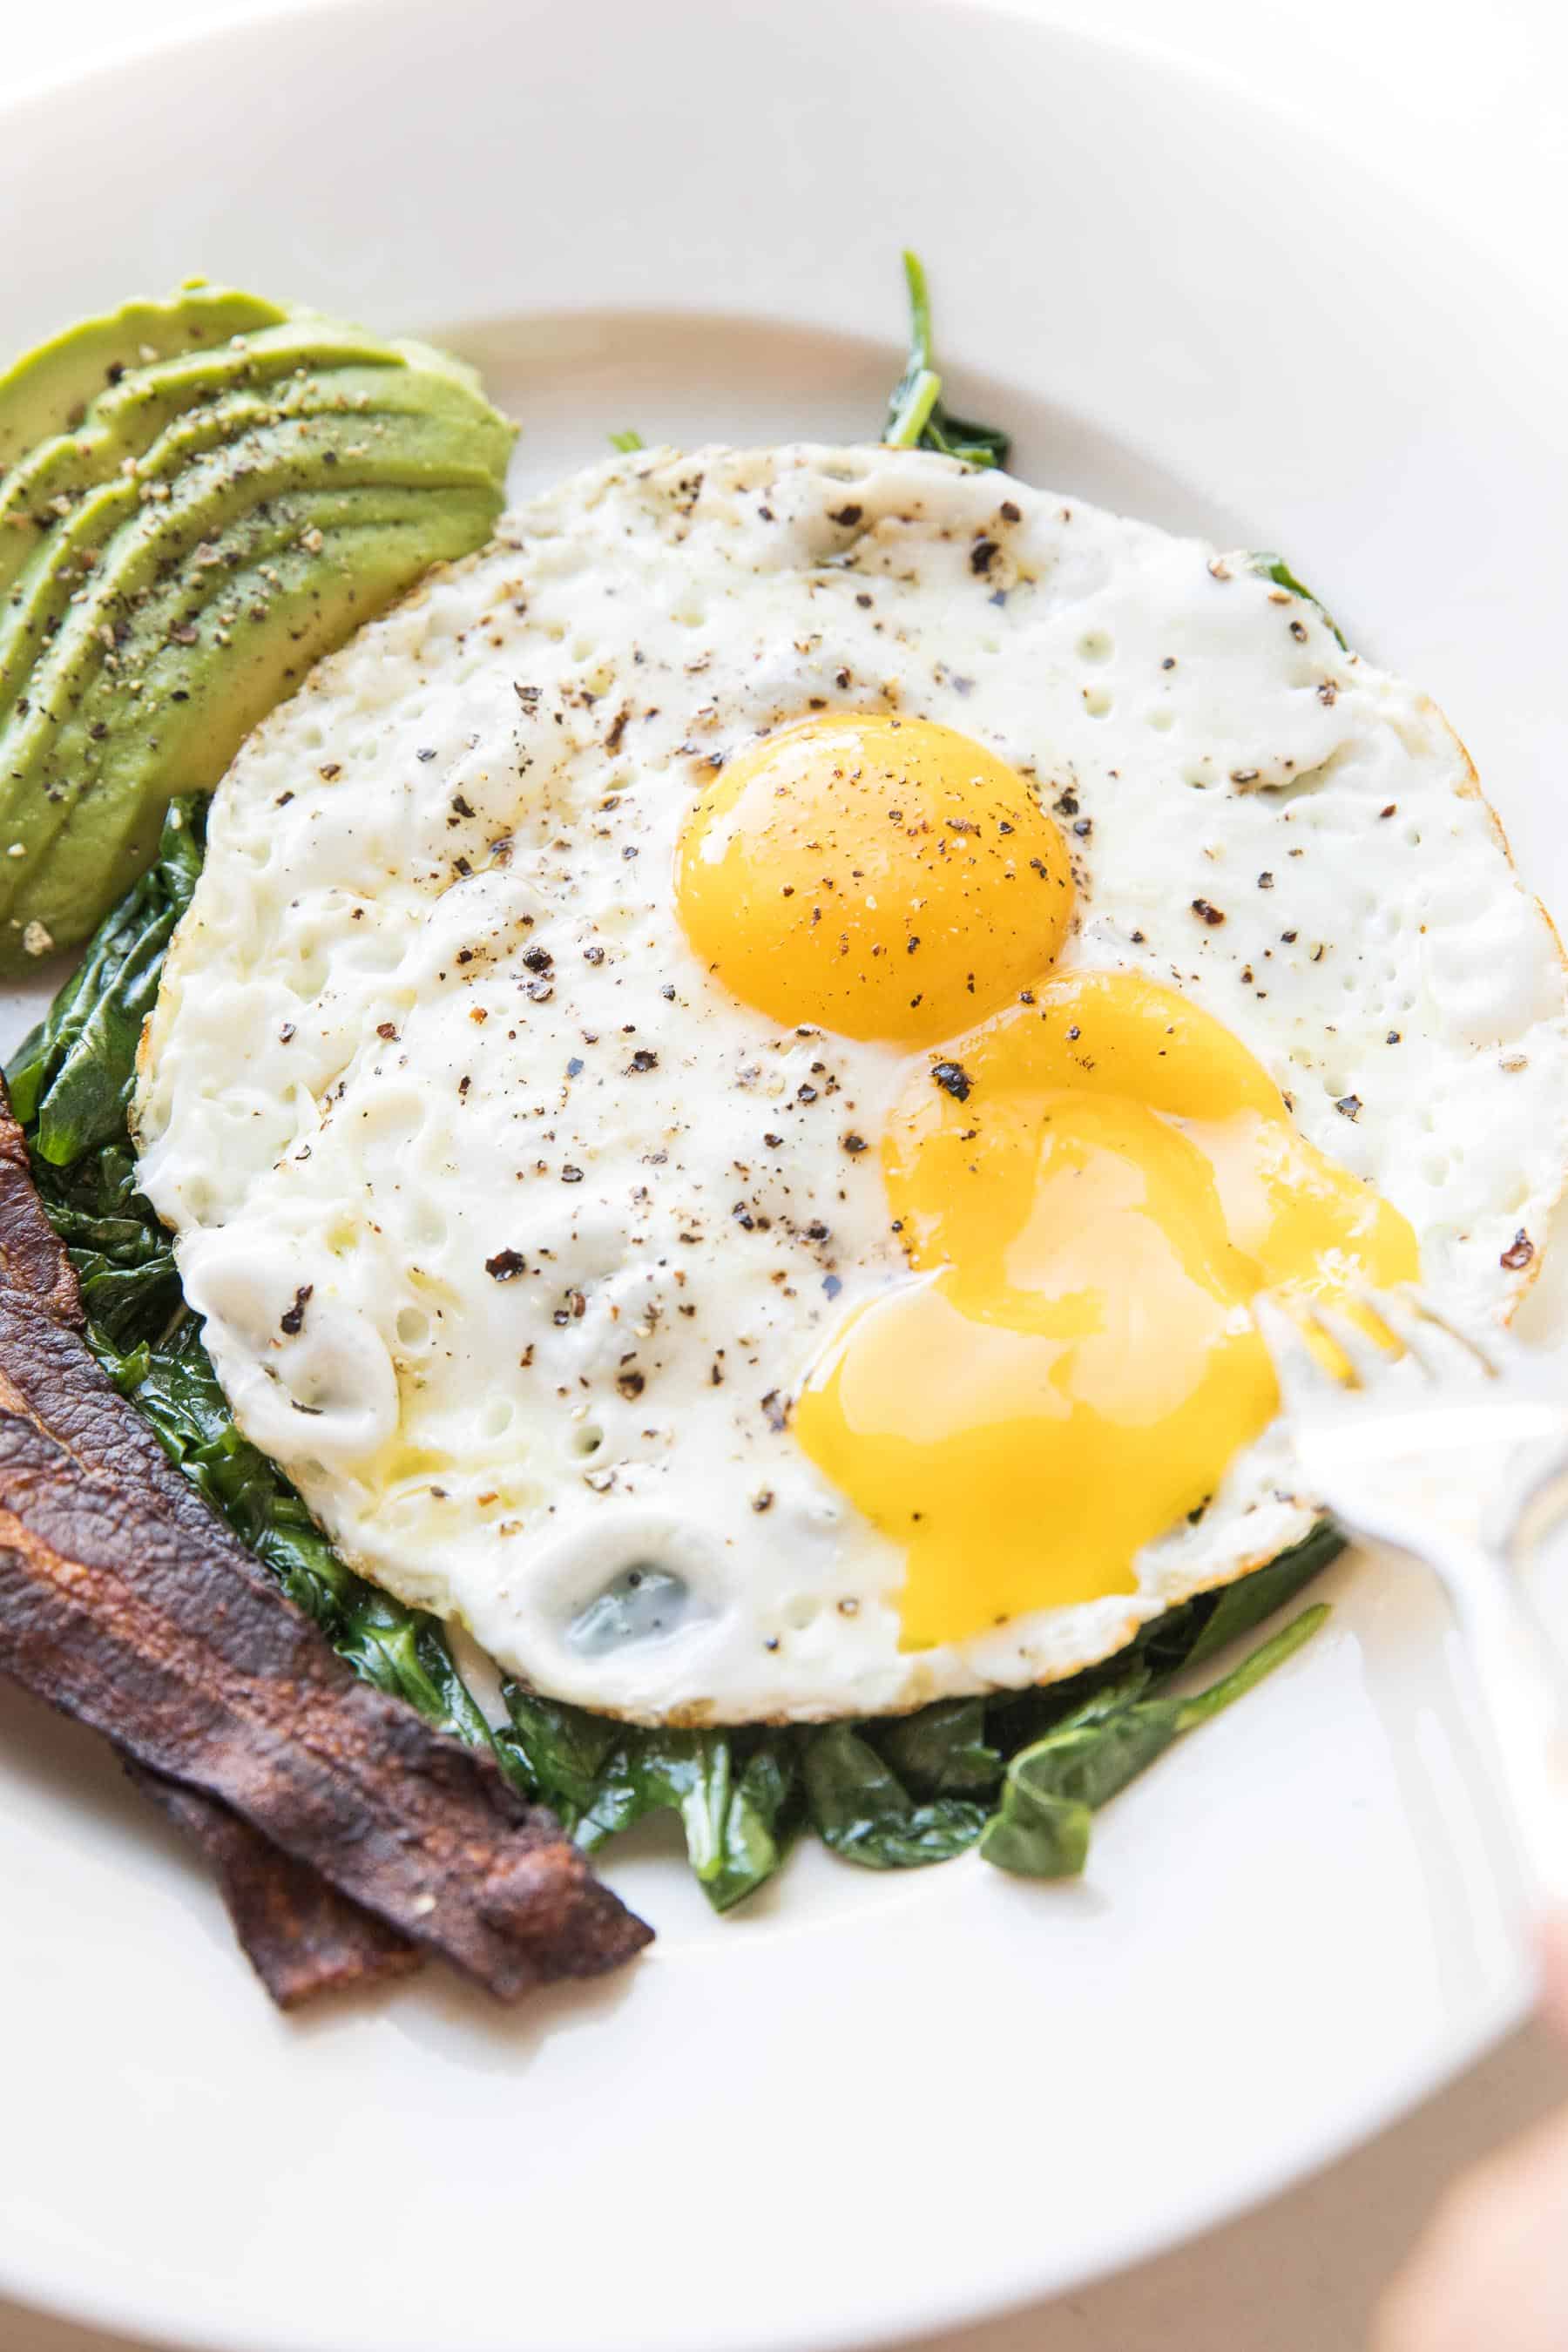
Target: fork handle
[(1521, 1683)]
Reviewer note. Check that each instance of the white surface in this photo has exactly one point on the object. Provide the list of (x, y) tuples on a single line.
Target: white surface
[(1288, 365), (1298, 2276)]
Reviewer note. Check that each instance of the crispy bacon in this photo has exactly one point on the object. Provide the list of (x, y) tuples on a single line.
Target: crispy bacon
[(127, 1602), (33, 1261), (301, 1937)]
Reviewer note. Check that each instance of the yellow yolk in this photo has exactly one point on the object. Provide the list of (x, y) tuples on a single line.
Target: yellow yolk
[(1090, 1189), (884, 877)]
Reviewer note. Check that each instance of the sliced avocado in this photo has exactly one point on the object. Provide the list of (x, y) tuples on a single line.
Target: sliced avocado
[(65, 567), (47, 391), (89, 696), (368, 561), (125, 421), (220, 516)]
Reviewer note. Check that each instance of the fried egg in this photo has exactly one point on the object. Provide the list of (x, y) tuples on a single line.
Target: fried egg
[(737, 1063)]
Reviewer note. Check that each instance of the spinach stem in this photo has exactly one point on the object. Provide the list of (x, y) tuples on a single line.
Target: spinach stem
[(919, 308), (1252, 1670), (912, 416)]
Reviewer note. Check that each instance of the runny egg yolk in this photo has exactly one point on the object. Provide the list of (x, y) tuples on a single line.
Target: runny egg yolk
[(1090, 1189), (884, 877)]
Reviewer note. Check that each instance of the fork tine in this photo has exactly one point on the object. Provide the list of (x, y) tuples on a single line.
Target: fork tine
[(1303, 1380), (1360, 1351), (1494, 1347), (1438, 1342), (1394, 1310)]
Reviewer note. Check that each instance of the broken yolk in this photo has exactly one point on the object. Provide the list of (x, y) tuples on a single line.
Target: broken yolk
[(1091, 1178), (1090, 1189), (883, 877)]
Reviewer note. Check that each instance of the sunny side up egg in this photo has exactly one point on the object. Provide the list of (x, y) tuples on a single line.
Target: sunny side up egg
[(737, 1063)]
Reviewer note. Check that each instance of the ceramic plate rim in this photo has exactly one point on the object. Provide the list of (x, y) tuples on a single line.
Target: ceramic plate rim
[(52, 2280)]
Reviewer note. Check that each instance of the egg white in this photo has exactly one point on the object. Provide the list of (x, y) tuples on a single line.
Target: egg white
[(434, 1073)]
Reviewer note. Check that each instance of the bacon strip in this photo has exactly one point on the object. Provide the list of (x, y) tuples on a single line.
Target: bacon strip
[(126, 1601), (301, 1937), (33, 1261)]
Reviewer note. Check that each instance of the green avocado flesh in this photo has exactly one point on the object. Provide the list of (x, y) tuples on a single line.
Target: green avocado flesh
[(201, 496)]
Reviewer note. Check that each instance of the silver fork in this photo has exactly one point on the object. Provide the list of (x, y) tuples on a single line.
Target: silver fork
[(1441, 1445)]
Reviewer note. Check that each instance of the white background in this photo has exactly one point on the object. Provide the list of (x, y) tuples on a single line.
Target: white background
[(1466, 108)]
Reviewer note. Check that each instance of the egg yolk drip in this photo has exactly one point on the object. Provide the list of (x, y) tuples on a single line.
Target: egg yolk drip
[(884, 877), (1091, 1188)]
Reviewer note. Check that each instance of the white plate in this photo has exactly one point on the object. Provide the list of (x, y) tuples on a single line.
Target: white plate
[(869, 2106)]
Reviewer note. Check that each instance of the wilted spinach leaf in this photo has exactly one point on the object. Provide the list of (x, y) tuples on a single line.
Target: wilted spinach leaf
[(733, 1791), (858, 1806), (72, 1077), (559, 1750), (1240, 1607), (1275, 568), (1041, 1828), (916, 417), (941, 1751)]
